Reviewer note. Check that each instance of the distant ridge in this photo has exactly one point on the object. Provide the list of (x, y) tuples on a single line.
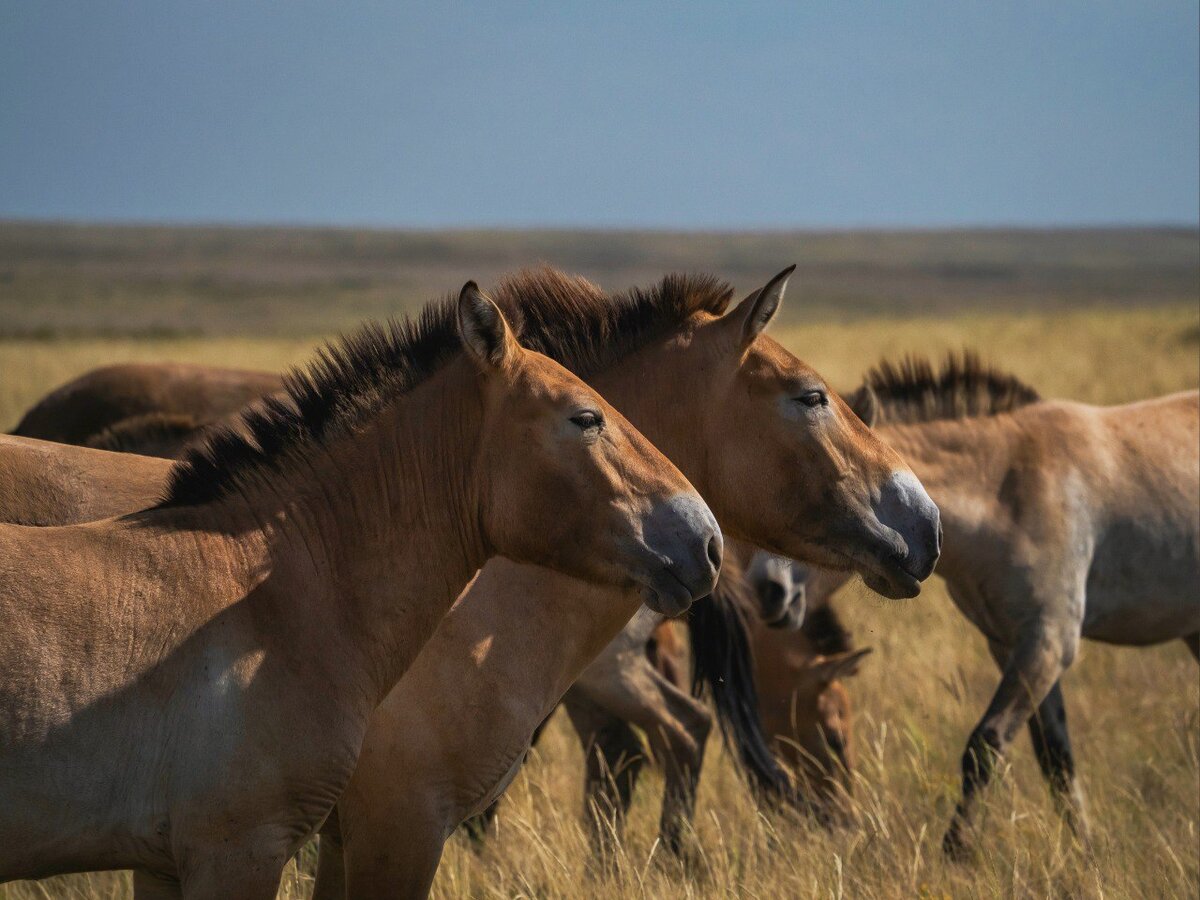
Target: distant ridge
[(60, 278)]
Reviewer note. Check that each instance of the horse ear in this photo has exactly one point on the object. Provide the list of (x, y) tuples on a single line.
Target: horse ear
[(838, 665), (483, 329), (758, 309), (865, 404)]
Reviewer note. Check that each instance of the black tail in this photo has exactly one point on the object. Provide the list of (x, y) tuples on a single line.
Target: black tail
[(723, 663)]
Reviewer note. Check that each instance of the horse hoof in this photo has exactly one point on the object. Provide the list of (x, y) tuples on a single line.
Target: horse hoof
[(956, 847)]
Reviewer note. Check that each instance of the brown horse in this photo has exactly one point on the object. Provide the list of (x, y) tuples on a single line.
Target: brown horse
[(84, 407), (784, 463), (157, 666), (769, 439), (1063, 521)]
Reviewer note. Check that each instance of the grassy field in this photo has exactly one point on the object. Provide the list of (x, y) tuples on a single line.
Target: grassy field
[(1135, 714), (76, 280)]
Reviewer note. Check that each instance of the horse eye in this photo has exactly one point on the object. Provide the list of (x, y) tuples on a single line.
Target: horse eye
[(587, 420), (813, 399)]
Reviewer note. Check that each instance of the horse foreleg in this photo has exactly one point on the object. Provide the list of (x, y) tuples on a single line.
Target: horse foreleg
[(1039, 659), (479, 828), (613, 759)]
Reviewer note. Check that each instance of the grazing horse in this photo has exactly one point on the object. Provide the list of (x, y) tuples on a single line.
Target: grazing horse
[(805, 708), (1063, 521), (783, 462), (84, 407), (634, 683), (184, 690)]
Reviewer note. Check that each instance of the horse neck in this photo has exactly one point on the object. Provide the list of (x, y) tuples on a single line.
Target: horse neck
[(963, 464), (542, 626), (368, 540), (639, 388)]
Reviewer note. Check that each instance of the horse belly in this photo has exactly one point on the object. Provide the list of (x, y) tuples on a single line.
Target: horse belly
[(1142, 598), (62, 813)]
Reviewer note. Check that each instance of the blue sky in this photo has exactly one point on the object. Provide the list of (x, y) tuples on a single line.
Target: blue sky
[(697, 115)]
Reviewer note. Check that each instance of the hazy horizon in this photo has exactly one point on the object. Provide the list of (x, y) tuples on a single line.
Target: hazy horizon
[(761, 117)]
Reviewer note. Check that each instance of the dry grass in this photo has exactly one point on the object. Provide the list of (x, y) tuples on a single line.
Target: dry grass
[(1135, 714)]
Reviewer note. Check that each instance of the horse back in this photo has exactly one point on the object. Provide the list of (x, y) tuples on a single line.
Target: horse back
[(103, 397)]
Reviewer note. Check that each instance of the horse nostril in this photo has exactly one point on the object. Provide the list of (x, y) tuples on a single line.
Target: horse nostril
[(773, 597), (714, 552), (939, 536)]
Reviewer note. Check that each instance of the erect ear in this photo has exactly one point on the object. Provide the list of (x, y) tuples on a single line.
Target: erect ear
[(758, 309), (838, 665), (865, 404), (484, 330)]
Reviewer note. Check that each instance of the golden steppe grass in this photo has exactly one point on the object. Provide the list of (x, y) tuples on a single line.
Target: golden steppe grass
[(1134, 714)]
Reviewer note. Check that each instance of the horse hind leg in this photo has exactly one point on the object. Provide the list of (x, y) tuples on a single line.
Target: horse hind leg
[(1039, 659), (1052, 746)]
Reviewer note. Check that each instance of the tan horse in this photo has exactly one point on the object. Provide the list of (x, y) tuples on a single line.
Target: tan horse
[(511, 647), (1063, 521), (782, 461), (84, 407), (184, 691)]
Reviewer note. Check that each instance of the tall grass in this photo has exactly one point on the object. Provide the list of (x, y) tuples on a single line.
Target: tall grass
[(1134, 714)]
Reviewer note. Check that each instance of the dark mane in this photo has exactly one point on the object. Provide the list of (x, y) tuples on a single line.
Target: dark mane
[(573, 321), (913, 391), (565, 317), (348, 382)]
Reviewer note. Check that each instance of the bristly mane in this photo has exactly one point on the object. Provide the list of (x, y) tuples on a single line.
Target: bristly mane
[(574, 322), (913, 391), (352, 379)]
